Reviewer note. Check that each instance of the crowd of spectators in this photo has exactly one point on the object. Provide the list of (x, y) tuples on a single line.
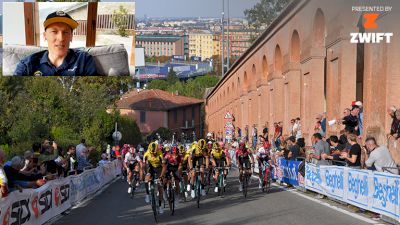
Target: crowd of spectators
[(45, 161)]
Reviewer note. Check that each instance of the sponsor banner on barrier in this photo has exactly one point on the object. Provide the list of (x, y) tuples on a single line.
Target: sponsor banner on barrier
[(373, 191), (36, 206)]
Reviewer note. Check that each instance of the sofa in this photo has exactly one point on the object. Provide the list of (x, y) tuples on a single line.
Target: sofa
[(111, 60)]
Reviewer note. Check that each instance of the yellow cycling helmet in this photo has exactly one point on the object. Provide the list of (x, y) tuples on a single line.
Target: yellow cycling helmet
[(215, 145), (181, 149), (153, 147), (202, 143)]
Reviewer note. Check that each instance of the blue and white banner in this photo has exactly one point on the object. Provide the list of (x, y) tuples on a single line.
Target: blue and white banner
[(373, 191)]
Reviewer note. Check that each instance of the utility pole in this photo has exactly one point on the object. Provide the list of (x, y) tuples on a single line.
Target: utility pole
[(229, 44), (222, 39)]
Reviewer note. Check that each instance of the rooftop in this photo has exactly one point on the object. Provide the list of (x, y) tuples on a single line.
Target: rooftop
[(154, 100), (158, 38)]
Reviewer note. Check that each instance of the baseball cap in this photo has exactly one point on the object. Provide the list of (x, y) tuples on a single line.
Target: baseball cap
[(60, 17), (358, 103)]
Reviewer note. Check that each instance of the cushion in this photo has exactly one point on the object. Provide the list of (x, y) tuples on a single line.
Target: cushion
[(111, 60)]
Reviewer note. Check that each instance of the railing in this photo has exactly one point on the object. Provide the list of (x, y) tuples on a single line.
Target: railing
[(104, 22)]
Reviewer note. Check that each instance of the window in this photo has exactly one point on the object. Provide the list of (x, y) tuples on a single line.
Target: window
[(176, 116), (142, 116)]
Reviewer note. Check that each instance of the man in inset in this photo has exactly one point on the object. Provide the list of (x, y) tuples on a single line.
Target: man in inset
[(59, 59)]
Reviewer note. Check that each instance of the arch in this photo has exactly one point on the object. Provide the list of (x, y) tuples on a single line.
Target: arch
[(264, 67), (278, 60), (319, 31), (295, 47), (246, 80)]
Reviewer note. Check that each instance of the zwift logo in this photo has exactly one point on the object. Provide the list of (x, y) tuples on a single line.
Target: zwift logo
[(369, 21)]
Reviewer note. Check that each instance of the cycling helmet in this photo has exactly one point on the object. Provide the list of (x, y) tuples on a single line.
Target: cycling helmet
[(215, 145), (181, 149), (202, 143), (153, 147)]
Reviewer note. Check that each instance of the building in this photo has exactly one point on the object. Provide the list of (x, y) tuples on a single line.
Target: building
[(201, 44), (161, 45), (239, 42), (305, 63), (152, 109)]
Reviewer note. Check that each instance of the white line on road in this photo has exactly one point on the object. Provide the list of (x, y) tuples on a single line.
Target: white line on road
[(354, 215)]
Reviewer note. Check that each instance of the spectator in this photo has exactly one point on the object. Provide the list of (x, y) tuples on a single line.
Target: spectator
[(79, 148), (18, 179), (291, 126), (323, 123), (30, 166), (353, 158), (360, 117), (83, 161), (103, 160), (246, 133), (3, 177), (379, 157), (318, 125), (239, 133), (321, 148), (265, 131), (294, 149), (254, 136), (395, 127), (71, 160), (335, 151), (351, 121), (297, 129), (301, 143)]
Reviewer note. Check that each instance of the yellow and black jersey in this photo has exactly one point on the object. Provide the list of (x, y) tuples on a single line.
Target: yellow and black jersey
[(155, 161), (217, 154)]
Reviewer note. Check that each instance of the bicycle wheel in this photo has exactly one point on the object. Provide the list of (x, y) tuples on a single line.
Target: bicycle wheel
[(221, 185), (153, 204), (245, 182), (133, 187), (172, 200), (182, 189), (198, 190), (264, 181), (269, 181)]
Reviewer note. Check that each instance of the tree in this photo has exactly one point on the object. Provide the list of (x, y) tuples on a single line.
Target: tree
[(120, 19), (130, 131), (171, 76), (264, 12)]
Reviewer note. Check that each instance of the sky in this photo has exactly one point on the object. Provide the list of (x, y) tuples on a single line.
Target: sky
[(191, 8)]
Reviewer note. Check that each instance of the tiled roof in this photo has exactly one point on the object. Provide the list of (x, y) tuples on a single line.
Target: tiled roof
[(154, 100)]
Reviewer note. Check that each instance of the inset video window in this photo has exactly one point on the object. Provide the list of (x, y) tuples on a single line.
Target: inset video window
[(68, 38)]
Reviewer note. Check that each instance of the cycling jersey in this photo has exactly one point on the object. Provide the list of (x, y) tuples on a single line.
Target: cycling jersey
[(131, 158), (242, 153), (217, 154), (153, 160), (172, 160), (197, 152), (147, 153), (262, 153)]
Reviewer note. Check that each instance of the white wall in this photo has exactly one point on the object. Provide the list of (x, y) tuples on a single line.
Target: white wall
[(139, 57), (13, 23)]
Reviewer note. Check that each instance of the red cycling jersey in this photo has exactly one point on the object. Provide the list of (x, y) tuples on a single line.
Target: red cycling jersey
[(242, 153), (172, 160)]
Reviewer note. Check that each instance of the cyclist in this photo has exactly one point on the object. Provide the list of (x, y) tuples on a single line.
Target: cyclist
[(263, 156), (153, 161), (198, 157), (131, 163), (142, 165), (172, 163), (245, 157), (218, 159), (185, 160)]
